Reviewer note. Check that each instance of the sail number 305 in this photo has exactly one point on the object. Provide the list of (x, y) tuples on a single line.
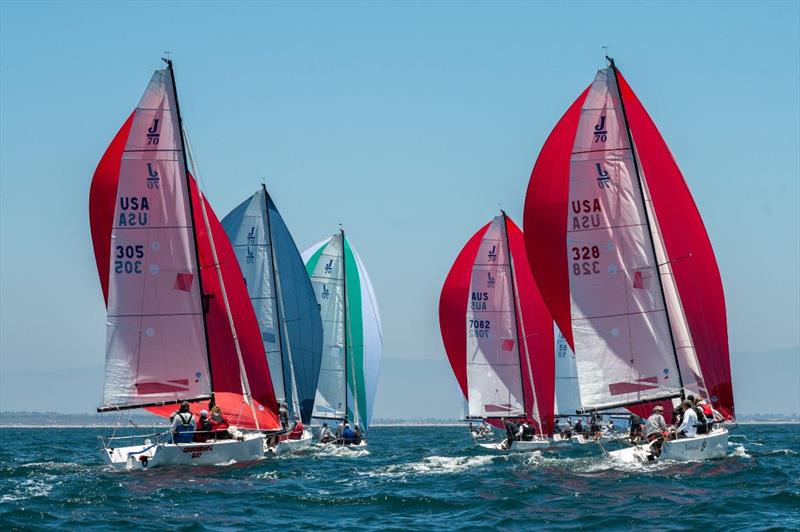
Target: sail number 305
[(125, 259), (584, 260), (479, 328)]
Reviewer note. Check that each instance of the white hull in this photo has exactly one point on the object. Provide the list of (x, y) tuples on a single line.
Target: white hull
[(148, 455), (292, 446), (533, 445), (701, 447)]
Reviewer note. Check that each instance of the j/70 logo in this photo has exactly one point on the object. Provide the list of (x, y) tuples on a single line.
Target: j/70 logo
[(490, 281), (325, 294), (329, 267), (492, 256), (603, 179), (152, 176), (153, 134), (251, 236), (600, 133)]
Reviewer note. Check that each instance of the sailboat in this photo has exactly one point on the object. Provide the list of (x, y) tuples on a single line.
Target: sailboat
[(498, 333), (352, 336), (625, 265), (285, 306), (180, 326)]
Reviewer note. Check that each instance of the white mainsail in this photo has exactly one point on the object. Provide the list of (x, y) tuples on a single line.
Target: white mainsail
[(621, 330), (155, 348), (327, 278), (494, 375), (568, 395)]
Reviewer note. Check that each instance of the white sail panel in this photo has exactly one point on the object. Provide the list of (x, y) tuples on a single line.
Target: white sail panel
[(568, 395), (620, 327), (324, 263), (155, 347), (494, 379)]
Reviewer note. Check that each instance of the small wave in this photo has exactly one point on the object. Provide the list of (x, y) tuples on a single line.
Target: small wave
[(434, 465), (58, 466), (324, 449), (225, 463), (28, 489), (740, 452)]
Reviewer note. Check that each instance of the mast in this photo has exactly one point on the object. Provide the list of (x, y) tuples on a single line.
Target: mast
[(649, 225), (516, 328), (278, 308), (191, 215), (275, 280), (344, 320)]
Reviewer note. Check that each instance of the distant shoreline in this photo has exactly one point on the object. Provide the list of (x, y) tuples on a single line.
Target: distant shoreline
[(409, 424)]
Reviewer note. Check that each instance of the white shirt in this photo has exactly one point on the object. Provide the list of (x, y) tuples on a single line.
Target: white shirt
[(689, 420)]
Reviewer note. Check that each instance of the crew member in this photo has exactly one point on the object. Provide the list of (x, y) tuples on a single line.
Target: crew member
[(183, 425)]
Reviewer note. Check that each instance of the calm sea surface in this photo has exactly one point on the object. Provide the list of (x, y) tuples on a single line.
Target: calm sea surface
[(408, 478)]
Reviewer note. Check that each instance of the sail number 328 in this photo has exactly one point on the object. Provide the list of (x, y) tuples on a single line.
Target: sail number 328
[(584, 260), (125, 259)]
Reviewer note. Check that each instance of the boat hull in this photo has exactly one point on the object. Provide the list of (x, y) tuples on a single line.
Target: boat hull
[(291, 446), (149, 455), (702, 447), (534, 445)]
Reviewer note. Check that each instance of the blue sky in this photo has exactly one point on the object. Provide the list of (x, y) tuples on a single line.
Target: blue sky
[(407, 122)]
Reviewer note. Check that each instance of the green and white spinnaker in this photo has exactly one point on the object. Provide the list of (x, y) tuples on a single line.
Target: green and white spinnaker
[(352, 337)]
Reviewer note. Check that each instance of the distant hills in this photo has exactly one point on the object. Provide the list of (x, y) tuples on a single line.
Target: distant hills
[(766, 386)]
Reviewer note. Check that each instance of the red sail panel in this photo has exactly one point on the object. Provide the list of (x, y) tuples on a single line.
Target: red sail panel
[(235, 411), (545, 215), (103, 198), (225, 373), (537, 324), (452, 306), (689, 251)]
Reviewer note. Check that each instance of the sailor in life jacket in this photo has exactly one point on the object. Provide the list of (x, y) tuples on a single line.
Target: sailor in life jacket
[(183, 425), (297, 430)]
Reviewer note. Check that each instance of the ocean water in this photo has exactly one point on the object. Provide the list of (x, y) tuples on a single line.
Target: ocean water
[(417, 478)]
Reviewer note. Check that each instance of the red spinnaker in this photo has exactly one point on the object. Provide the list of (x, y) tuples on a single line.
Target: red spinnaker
[(453, 305), (545, 217)]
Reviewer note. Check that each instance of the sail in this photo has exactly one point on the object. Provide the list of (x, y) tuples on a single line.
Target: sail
[(145, 251), (143, 231), (288, 317), (452, 303), (324, 266), (491, 301), (691, 260), (637, 265), (352, 336), (568, 395)]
